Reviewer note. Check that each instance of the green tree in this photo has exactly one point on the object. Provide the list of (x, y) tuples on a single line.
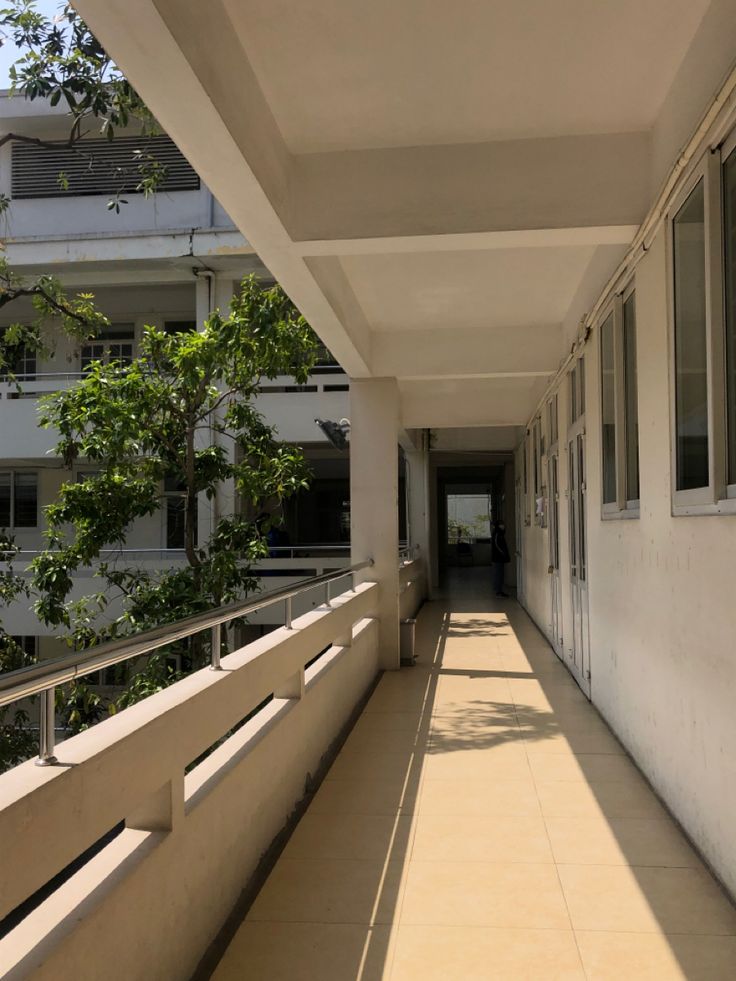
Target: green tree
[(143, 424), (16, 740)]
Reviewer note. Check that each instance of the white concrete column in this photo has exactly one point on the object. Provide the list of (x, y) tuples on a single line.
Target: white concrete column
[(374, 499), (213, 292)]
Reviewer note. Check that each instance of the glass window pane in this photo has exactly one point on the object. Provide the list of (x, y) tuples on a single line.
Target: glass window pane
[(4, 500), (608, 411), (573, 396), (691, 372), (26, 500), (631, 401), (729, 235), (581, 387), (175, 521)]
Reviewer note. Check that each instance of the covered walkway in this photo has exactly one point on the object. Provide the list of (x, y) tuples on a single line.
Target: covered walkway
[(481, 821)]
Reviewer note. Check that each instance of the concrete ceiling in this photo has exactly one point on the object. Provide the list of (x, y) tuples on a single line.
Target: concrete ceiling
[(443, 189), (388, 74)]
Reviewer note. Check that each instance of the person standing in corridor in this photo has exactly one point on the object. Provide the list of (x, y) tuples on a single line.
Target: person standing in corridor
[(499, 556)]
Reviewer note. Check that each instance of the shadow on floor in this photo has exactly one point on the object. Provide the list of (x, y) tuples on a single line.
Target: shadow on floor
[(482, 821)]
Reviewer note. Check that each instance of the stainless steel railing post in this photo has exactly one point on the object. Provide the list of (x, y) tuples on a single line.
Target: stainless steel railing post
[(287, 602), (47, 675), (47, 728), (327, 594), (216, 645)]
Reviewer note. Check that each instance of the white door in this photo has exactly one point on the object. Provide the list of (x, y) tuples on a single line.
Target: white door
[(553, 483), (518, 535), (578, 652)]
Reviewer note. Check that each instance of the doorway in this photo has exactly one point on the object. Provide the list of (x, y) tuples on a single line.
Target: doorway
[(578, 648)]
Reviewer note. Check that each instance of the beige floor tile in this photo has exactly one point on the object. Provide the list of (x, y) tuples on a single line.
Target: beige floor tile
[(570, 799), (429, 851), (645, 900), (432, 953), (582, 767), (471, 798), (362, 765), (307, 952), (473, 659), (330, 891), (363, 837), (502, 761), (652, 957), (492, 838), (484, 894), (476, 712), (470, 686), (471, 733), (396, 700), (558, 737), (619, 841), (379, 795), (382, 741), (391, 722)]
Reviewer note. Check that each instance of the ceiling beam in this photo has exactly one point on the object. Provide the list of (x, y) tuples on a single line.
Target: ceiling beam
[(456, 403), (467, 352), (595, 181), (518, 238)]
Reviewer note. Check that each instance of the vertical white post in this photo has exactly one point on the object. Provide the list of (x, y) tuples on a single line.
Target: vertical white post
[(214, 292), (374, 499)]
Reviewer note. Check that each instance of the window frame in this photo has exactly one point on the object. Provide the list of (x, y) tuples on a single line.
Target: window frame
[(727, 148), (12, 472), (713, 497), (622, 506)]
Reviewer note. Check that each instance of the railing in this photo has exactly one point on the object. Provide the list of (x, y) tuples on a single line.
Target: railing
[(33, 384), (43, 678)]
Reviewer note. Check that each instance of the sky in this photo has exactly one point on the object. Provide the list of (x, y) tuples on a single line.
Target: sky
[(9, 52)]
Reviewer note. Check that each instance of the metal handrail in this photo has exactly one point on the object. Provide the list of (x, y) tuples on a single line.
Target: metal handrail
[(43, 678)]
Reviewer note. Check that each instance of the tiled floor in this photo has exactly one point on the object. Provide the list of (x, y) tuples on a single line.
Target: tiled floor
[(482, 822)]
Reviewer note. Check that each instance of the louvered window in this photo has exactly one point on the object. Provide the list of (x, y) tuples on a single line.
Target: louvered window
[(96, 167)]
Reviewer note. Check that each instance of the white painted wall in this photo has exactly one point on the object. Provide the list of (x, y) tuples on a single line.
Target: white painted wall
[(662, 612)]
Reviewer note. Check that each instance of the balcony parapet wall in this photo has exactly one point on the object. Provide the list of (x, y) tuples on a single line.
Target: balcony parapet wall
[(154, 897)]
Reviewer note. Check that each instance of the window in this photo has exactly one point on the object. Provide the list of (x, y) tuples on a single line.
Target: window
[(28, 643), (631, 399), (179, 326), (691, 355), (619, 408), (18, 499), (113, 345), (608, 411), (702, 244), (577, 391), (175, 493), (729, 243), (552, 420), (24, 364)]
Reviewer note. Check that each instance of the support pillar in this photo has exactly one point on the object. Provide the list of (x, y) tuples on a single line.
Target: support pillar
[(214, 292), (374, 499)]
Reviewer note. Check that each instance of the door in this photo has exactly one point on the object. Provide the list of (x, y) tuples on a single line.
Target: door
[(553, 483), (578, 649), (518, 536)]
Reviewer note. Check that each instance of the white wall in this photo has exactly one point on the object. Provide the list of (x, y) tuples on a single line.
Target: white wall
[(72, 215), (662, 611)]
